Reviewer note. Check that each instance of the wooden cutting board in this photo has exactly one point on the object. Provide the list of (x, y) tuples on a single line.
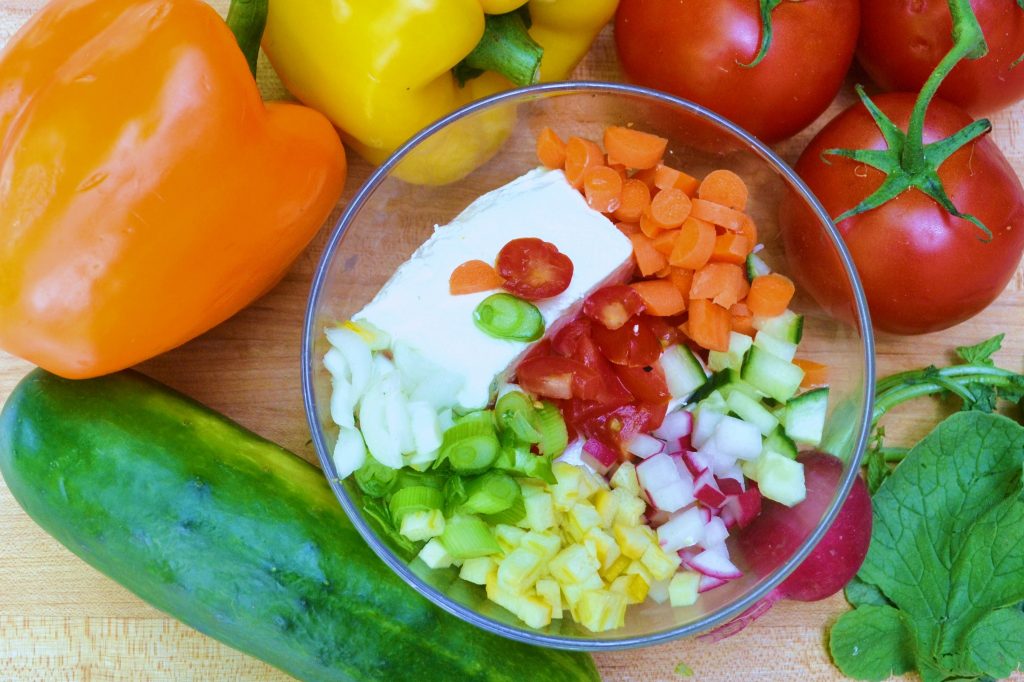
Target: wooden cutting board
[(61, 620)]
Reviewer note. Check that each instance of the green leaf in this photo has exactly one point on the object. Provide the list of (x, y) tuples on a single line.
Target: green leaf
[(878, 470), (981, 354), (996, 645), (860, 593), (872, 643)]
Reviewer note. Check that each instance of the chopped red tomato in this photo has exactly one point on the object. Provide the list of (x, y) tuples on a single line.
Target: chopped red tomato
[(560, 378), (634, 344), (613, 306), (615, 426), (533, 269), (574, 341), (647, 384)]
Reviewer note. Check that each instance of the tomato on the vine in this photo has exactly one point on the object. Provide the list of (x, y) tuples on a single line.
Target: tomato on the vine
[(704, 51), (533, 269), (922, 268), (902, 42)]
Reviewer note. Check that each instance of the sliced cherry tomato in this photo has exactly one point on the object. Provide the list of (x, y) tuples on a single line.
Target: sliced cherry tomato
[(574, 341), (666, 328), (567, 340), (558, 377), (615, 426), (533, 269), (647, 384), (539, 350), (634, 344), (613, 306)]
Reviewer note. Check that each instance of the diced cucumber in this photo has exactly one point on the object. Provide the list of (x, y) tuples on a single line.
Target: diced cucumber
[(684, 372), (781, 479), (773, 376), (750, 410), (776, 346), (777, 441), (719, 382), (739, 344), (756, 267), (805, 416), (788, 326)]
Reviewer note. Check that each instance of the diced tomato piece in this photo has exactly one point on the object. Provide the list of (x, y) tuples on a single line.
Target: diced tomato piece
[(558, 377), (646, 383), (634, 344), (567, 341), (613, 306), (533, 269), (665, 328), (574, 341)]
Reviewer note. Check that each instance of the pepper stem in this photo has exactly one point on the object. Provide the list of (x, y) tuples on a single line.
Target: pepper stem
[(506, 48), (247, 19), (767, 7)]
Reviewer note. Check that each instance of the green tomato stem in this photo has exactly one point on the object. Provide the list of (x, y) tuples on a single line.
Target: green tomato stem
[(247, 19), (767, 7)]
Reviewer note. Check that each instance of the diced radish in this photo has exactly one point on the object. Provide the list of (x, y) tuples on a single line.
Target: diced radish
[(672, 496), (742, 508), (705, 514), (573, 454), (656, 517), (709, 583), (599, 456), (706, 490), (720, 461), (714, 565), (686, 443), (675, 426), (688, 553), (730, 485), (682, 530), (720, 549), (704, 425), (715, 532), (684, 471), (696, 462), (735, 437), (644, 446), (656, 472)]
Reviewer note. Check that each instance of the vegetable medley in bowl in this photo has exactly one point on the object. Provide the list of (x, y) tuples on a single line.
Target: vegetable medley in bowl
[(561, 413)]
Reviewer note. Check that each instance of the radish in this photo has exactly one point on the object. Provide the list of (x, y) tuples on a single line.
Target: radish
[(696, 462), (776, 534), (644, 446), (709, 583), (656, 472), (682, 530), (599, 456), (672, 496), (675, 426), (742, 509), (706, 490), (715, 565), (715, 532)]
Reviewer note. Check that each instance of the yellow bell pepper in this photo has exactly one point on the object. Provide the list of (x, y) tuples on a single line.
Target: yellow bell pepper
[(382, 70)]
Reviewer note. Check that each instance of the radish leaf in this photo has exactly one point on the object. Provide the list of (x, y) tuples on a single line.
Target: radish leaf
[(996, 644), (872, 643)]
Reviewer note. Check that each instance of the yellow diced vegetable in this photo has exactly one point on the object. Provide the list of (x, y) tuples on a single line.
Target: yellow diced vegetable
[(590, 484), (508, 537), (520, 569), (540, 511), (631, 540), (660, 563), (682, 591), (533, 611), (500, 595), (422, 525), (567, 491), (625, 478), (549, 591), (546, 545), (615, 570), (631, 509), (637, 568), (604, 547), (607, 505), (601, 610), (477, 569), (633, 586), (573, 565), (582, 518), (435, 555)]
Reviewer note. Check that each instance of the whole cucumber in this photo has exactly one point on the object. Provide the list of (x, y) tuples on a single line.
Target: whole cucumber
[(234, 536)]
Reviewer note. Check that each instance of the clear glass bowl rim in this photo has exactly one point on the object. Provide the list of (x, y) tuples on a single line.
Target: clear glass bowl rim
[(524, 634)]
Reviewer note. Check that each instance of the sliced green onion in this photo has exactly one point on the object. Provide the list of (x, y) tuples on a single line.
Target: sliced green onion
[(454, 494), (539, 466), (511, 516), (409, 477), (375, 510), (375, 479), (471, 445), (504, 316), (413, 498), (467, 537), (515, 412), (491, 493), (553, 434)]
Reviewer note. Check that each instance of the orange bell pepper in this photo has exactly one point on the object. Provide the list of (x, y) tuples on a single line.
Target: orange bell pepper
[(146, 191)]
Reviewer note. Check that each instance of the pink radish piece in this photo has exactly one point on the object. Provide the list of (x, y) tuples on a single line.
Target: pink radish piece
[(742, 509), (715, 565), (706, 490), (672, 496), (656, 472), (696, 462), (780, 530), (599, 456), (675, 426), (684, 529), (729, 485), (644, 446), (708, 583), (715, 532)]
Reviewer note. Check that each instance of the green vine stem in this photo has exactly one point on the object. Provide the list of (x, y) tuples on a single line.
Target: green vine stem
[(907, 161), (767, 7), (247, 19)]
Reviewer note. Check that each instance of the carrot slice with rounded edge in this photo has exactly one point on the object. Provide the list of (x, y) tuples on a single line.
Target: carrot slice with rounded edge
[(666, 241), (708, 325), (580, 155), (633, 148), (724, 283), (815, 373), (770, 295), (646, 176), (669, 208), (473, 276), (550, 149), (628, 229), (621, 170), (682, 278), (661, 297), (730, 248), (648, 258), (602, 188), (635, 197), (749, 230), (726, 188), (666, 177), (664, 272), (694, 244), (649, 226), (717, 214)]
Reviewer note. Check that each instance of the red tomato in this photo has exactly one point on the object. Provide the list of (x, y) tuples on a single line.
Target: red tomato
[(696, 50), (902, 42), (646, 383), (558, 377), (615, 426), (574, 341), (613, 306), (634, 344), (923, 270), (533, 269)]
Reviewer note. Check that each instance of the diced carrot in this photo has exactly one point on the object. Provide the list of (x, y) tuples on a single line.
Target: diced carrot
[(682, 278), (708, 325), (550, 149), (730, 248), (661, 297), (633, 148), (602, 187), (741, 309), (717, 214), (670, 207), (628, 229), (770, 295), (724, 283), (749, 230), (649, 226), (648, 258), (815, 373), (580, 155), (473, 276), (666, 177), (666, 241), (694, 244), (742, 320), (621, 170), (664, 272), (635, 197), (647, 176), (724, 187)]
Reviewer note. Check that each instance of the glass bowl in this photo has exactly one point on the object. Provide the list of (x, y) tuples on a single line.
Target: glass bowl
[(390, 217)]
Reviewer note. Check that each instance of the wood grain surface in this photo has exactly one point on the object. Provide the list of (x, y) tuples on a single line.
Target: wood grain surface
[(61, 620)]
